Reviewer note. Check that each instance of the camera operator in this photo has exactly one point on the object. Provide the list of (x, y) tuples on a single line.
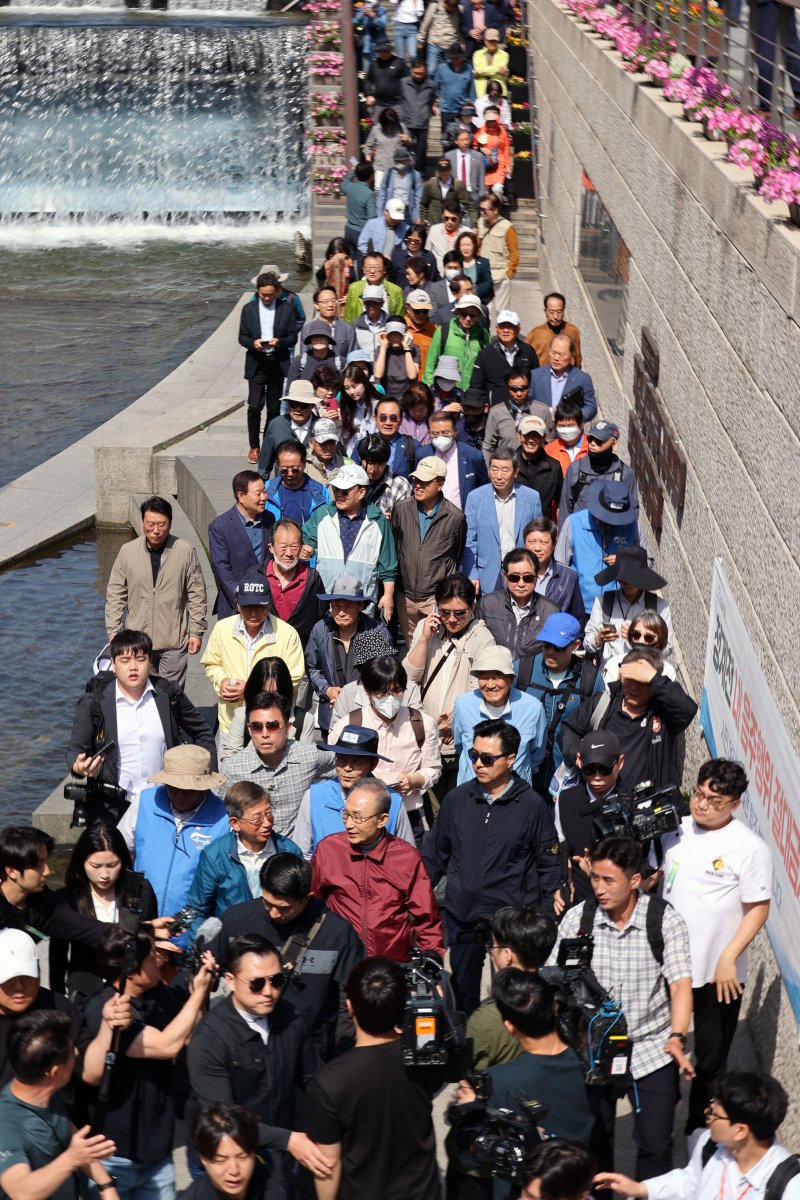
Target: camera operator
[(141, 713), (318, 949), (645, 710), (139, 1114), (370, 1115), (739, 1152), (521, 938), (718, 876), (25, 900), (558, 1170), (600, 761), (547, 1071), (641, 956), (225, 1137)]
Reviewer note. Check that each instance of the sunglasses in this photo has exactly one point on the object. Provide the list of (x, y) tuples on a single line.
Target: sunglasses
[(649, 639), (454, 614), (264, 726), (488, 760), (275, 981), (513, 577), (596, 769)]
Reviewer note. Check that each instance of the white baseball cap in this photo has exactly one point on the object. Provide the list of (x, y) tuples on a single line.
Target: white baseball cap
[(350, 475), (17, 955), (508, 317), (396, 209)]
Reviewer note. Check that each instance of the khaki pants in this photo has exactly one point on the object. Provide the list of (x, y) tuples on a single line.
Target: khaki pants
[(411, 612), (502, 295)]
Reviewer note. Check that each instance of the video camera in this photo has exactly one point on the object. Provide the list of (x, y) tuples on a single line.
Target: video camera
[(645, 813), (95, 801), (206, 933), (493, 1137), (589, 1019), (432, 1026)]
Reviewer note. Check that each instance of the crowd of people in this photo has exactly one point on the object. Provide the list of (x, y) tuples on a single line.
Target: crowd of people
[(443, 663)]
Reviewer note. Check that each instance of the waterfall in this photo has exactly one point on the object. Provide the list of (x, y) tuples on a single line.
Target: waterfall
[(165, 123)]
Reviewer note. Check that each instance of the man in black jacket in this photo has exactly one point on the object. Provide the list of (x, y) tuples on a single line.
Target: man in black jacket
[(516, 613), (253, 1050), (417, 98), (268, 332), (505, 351), (142, 714), (645, 711), (318, 949), (384, 79), (537, 469), (600, 761), (495, 840)]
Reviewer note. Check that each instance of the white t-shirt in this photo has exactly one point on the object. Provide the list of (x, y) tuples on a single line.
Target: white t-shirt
[(709, 875)]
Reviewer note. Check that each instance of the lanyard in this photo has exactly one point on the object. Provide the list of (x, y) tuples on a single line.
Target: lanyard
[(722, 1182)]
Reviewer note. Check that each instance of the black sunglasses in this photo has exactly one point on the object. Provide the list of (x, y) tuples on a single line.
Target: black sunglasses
[(257, 985), (596, 769), (488, 760)]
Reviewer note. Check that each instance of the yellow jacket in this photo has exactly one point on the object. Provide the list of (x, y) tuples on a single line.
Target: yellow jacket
[(226, 656), (485, 68)]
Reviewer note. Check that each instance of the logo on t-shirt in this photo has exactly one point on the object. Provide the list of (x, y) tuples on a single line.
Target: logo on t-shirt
[(718, 864)]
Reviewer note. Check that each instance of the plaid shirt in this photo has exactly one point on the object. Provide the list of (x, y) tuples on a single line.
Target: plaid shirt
[(398, 488), (285, 784), (623, 963)]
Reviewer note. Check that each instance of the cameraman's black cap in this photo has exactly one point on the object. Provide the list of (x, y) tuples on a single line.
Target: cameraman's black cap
[(600, 747)]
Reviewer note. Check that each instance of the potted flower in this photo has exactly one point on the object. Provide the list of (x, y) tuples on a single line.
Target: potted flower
[(768, 148), (783, 183), (325, 181), (325, 67)]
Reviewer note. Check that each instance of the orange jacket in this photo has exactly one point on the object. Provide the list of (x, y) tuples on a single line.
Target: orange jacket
[(557, 450), (487, 143)]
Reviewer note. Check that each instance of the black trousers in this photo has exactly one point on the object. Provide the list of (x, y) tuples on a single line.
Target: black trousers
[(714, 1029), (266, 383), (467, 945), (420, 137), (657, 1097)]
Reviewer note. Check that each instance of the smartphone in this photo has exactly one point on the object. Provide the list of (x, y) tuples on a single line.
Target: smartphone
[(105, 749)]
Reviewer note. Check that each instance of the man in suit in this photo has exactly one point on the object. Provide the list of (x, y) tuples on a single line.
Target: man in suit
[(505, 352), (238, 539), (443, 187), (466, 469), (268, 332), (496, 518), (467, 164), (552, 383)]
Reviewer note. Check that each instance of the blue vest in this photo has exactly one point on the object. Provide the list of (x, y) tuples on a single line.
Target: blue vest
[(325, 810), (588, 549), (168, 858)]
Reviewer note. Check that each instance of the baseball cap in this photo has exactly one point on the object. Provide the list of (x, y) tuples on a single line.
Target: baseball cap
[(324, 431), (600, 747), (443, 164), (508, 317), (357, 741), (532, 425), (350, 475), (428, 469), (418, 299), (491, 35), (473, 398), (394, 325), (253, 589), (494, 658), (396, 209), (346, 587), (468, 301), (560, 629), (17, 955), (401, 154), (601, 431), (373, 291)]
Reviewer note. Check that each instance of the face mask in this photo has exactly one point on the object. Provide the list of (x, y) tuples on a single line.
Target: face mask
[(286, 564), (445, 385), (441, 443), (400, 168), (568, 433), (387, 706), (473, 419), (601, 459), (450, 273)]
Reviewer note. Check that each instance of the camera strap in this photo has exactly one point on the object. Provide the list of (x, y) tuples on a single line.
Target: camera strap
[(294, 949)]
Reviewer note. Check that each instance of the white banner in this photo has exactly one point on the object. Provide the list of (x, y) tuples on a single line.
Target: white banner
[(740, 721)]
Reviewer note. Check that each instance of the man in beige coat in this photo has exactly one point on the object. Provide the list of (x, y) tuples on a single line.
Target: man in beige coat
[(158, 579)]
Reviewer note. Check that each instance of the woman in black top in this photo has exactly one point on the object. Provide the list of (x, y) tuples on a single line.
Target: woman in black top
[(225, 1137)]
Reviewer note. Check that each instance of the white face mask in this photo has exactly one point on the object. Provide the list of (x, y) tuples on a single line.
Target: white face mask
[(445, 385), (387, 706), (441, 443), (286, 564), (451, 273), (568, 433)]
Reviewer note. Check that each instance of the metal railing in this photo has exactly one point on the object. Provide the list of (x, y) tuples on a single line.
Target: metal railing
[(754, 48)]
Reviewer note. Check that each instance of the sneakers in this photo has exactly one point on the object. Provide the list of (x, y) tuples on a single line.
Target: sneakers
[(252, 455)]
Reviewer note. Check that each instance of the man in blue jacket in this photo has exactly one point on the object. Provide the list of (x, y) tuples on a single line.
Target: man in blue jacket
[(292, 493), (229, 869), (497, 514), (238, 539), (495, 840)]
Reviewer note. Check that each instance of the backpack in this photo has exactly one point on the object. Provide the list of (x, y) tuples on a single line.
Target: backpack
[(411, 451), (607, 604), (585, 680), (778, 1181), (654, 924), (586, 480), (414, 715)]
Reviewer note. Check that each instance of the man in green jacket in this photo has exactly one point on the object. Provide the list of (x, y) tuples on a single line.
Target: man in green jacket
[(374, 267), (464, 337)]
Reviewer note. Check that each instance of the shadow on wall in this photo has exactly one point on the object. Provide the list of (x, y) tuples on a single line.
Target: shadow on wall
[(763, 1012)]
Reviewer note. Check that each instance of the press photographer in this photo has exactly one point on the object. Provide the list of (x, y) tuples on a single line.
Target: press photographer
[(640, 955), (547, 1072)]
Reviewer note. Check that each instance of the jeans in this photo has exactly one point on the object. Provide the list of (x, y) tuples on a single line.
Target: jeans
[(433, 56), (766, 34), (405, 41), (142, 1181)]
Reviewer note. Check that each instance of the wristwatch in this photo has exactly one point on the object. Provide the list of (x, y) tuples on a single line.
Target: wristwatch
[(111, 1183), (680, 1036)]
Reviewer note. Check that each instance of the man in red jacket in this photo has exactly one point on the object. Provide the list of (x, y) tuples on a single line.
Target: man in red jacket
[(375, 881)]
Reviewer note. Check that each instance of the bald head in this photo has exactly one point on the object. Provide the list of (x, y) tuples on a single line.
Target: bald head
[(562, 351)]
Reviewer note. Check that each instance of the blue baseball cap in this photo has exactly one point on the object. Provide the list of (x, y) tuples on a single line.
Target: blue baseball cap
[(253, 589), (559, 630)]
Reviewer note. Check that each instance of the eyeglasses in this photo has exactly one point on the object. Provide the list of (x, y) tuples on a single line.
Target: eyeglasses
[(513, 577), (137, 656), (470, 314), (356, 818), (518, 387), (596, 769), (453, 614), (710, 1115), (593, 441), (257, 985), (649, 639), (260, 818), (264, 726), (486, 210), (706, 802), (488, 760)]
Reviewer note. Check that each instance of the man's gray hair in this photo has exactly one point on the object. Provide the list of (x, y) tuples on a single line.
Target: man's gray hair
[(243, 795), (376, 789)]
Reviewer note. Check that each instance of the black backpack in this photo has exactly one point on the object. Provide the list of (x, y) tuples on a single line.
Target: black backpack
[(608, 598), (778, 1180), (585, 681), (654, 923)]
